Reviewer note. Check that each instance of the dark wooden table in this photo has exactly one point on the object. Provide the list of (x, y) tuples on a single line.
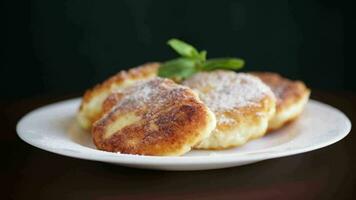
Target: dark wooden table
[(31, 173)]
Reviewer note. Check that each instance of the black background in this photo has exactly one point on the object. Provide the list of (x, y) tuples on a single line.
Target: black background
[(63, 47)]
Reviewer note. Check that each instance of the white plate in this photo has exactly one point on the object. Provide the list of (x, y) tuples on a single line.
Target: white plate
[(53, 128)]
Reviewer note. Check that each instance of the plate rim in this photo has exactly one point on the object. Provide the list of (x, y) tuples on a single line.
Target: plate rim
[(103, 156)]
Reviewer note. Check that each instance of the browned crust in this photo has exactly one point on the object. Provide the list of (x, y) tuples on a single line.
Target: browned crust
[(162, 130), (242, 105), (246, 114), (238, 114), (139, 73), (111, 101), (287, 92)]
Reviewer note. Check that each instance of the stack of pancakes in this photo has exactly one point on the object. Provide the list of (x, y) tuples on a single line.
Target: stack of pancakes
[(136, 112)]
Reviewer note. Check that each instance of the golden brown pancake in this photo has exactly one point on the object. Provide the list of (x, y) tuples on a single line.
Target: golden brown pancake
[(241, 103), (91, 107), (153, 117), (291, 97)]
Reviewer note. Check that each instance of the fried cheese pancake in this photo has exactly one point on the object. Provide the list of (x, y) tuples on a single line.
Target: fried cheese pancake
[(91, 106), (241, 103), (154, 117), (291, 96)]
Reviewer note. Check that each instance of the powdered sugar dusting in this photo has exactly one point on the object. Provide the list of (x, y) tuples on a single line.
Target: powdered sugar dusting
[(150, 93), (222, 119), (143, 92), (226, 90)]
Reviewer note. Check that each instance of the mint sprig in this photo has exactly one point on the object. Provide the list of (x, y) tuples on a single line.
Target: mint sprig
[(183, 49), (192, 61)]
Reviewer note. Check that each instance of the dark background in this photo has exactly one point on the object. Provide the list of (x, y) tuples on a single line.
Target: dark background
[(63, 47), (54, 49)]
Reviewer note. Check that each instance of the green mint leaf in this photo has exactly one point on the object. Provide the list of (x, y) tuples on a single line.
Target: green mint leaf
[(223, 63), (202, 55), (193, 61), (182, 48), (178, 69)]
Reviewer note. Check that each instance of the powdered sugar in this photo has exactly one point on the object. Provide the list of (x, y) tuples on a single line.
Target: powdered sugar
[(222, 119), (143, 92), (150, 93), (225, 90)]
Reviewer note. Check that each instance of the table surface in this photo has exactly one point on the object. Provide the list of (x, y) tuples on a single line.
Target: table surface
[(31, 173)]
